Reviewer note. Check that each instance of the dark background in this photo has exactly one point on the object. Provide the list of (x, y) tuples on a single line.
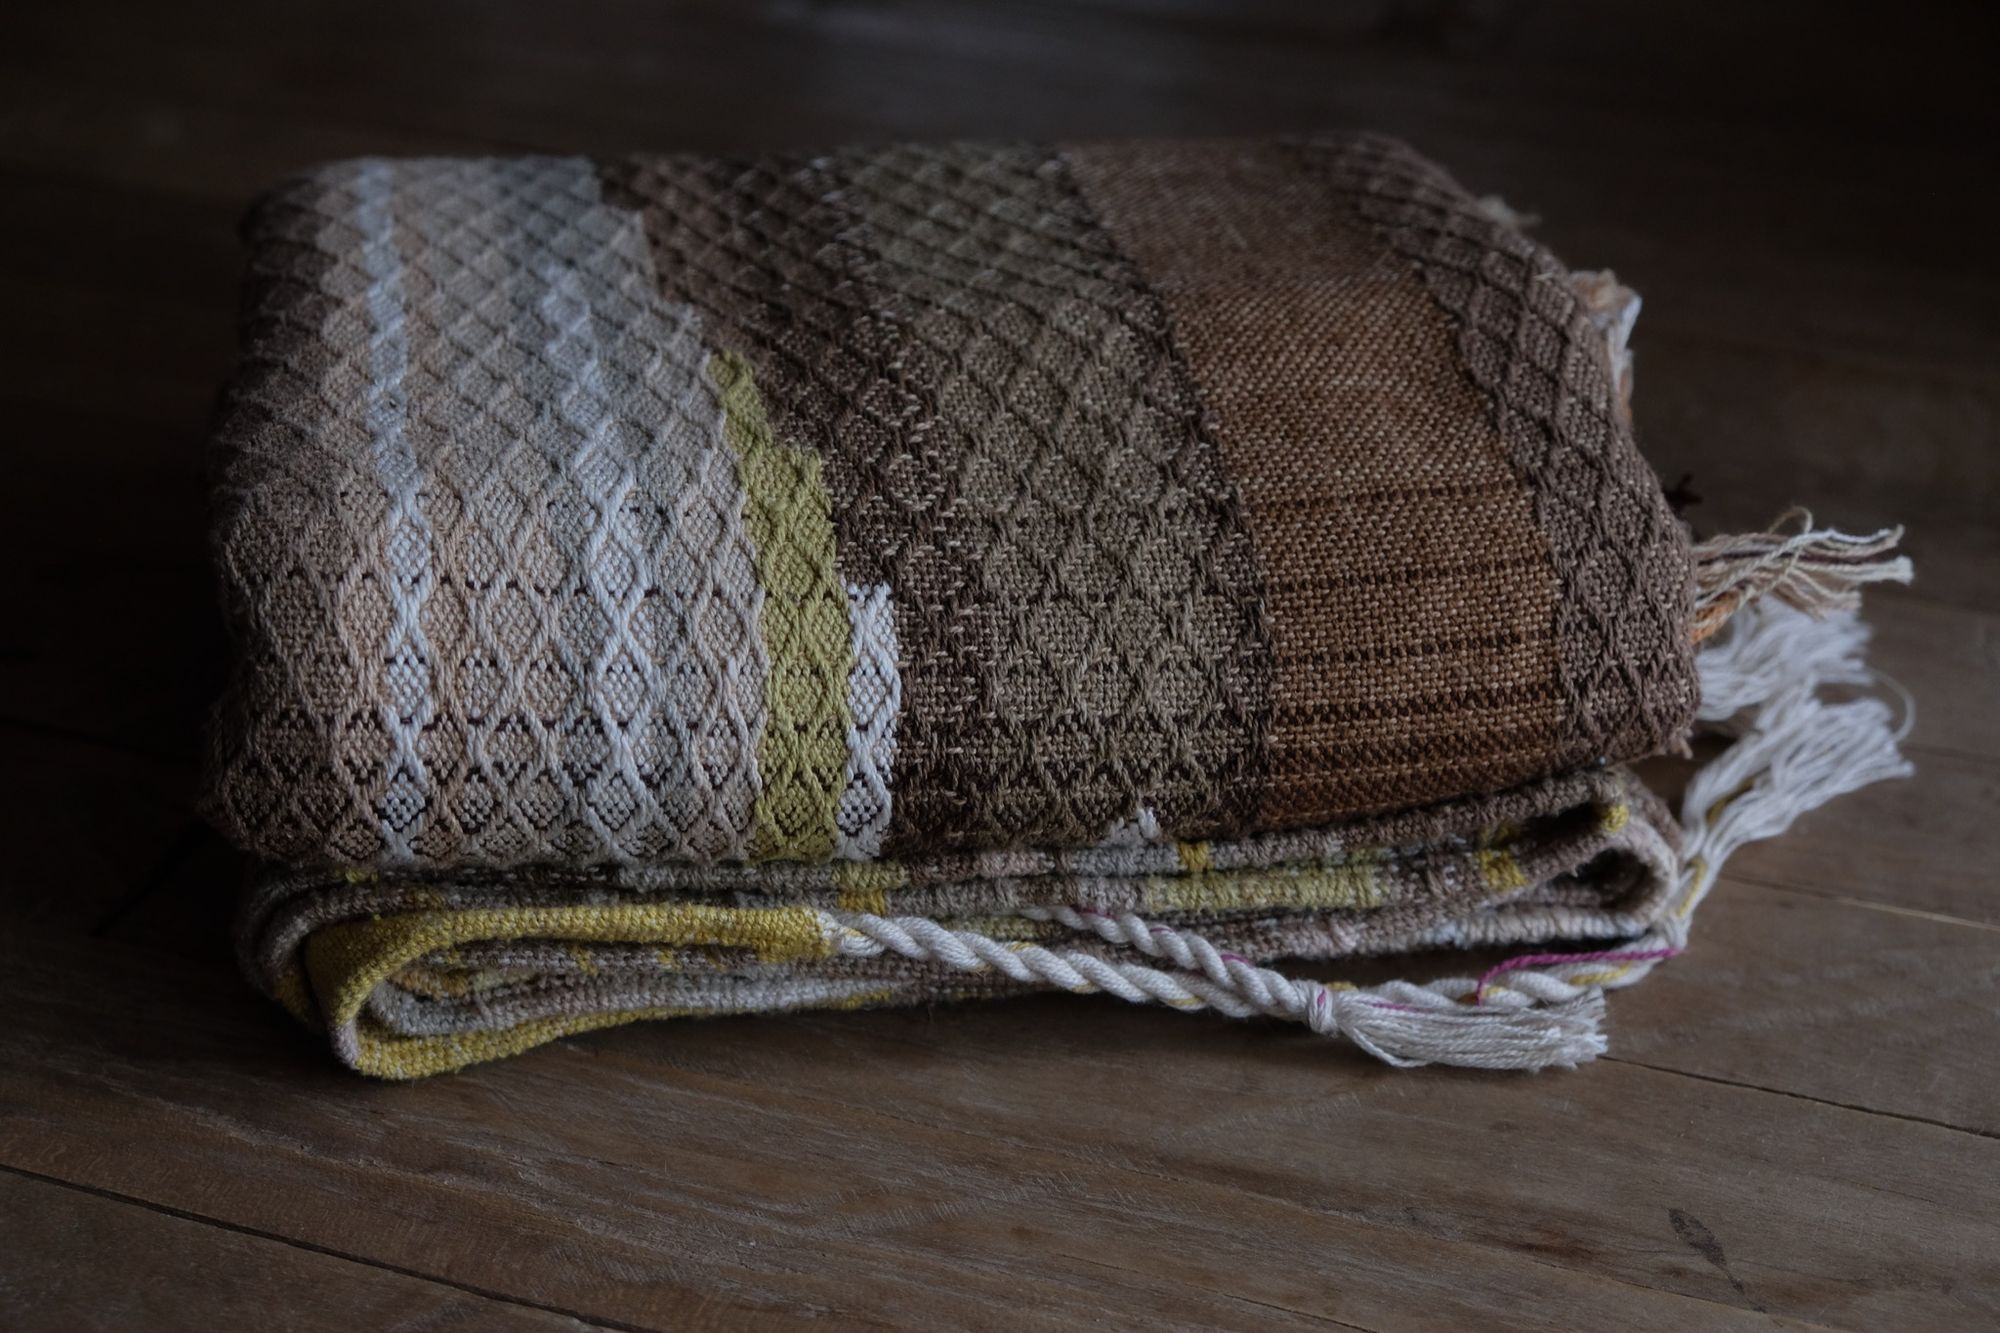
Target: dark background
[(1798, 1117)]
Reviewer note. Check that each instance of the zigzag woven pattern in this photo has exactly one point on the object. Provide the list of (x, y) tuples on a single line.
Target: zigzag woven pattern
[(676, 585)]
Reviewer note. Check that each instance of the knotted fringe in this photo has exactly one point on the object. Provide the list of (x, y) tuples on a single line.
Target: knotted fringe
[(1813, 569), (1762, 682)]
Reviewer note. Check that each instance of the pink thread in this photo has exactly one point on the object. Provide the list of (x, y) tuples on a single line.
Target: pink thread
[(1552, 959)]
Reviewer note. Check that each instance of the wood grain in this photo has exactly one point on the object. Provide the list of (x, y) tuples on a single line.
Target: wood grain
[(1213, 1175), (1797, 1125), (73, 1259)]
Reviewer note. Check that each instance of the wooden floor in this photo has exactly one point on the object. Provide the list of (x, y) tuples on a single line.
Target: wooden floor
[(1800, 1121)]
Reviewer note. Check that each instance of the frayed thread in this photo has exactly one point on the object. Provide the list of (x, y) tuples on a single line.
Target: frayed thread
[(1613, 310), (1504, 213), (1795, 750), (1816, 570)]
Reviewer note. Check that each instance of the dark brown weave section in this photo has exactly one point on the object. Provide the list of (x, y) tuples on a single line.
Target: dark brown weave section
[(1410, 599), (1625, 667)]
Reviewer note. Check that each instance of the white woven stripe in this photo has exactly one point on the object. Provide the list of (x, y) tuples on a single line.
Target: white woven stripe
[(407, 544), (626, 686), (628, 718), (875, 701)]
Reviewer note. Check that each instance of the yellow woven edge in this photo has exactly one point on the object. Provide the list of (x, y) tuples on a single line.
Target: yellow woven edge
[(344, 963)]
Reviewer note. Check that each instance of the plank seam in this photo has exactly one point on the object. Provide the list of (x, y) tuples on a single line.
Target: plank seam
[(1802, 1097), (182, 1214)]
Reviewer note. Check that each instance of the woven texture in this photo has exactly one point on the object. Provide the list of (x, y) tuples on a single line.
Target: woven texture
[(643, 532), (414, 976)]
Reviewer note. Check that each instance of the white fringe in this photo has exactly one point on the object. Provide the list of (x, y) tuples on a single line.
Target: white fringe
[(1795, 750), (1762, 680), (1769, 647)]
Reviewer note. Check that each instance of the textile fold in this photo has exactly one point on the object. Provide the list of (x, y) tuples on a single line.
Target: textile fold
[(668, 586)]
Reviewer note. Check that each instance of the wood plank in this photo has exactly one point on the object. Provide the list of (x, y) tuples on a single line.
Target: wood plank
[(859, 1165), (1948, 658), (1845, 1002), (187, 907), (1918, 844), (71, 1259)]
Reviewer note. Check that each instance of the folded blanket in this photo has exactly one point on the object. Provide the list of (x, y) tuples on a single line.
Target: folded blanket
[(679, 585)]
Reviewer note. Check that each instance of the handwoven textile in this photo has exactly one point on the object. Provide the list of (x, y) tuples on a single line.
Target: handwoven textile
[(682, 585)]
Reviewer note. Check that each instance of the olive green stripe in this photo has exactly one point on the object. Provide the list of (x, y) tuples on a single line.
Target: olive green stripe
[(802, 755)]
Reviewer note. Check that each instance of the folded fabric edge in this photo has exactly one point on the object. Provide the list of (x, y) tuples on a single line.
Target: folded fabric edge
[(409, 990), (343, 964)]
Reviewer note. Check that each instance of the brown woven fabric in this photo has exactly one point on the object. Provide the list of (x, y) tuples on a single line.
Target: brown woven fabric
[(1526, 339), (643, 571), (1250, 486), (1341, 409)]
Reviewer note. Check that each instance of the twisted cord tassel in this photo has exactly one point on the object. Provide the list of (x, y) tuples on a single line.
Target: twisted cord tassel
[(1400, 1023)]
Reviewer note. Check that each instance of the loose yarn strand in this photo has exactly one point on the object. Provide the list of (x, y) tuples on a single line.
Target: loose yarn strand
[(1815, 570)]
